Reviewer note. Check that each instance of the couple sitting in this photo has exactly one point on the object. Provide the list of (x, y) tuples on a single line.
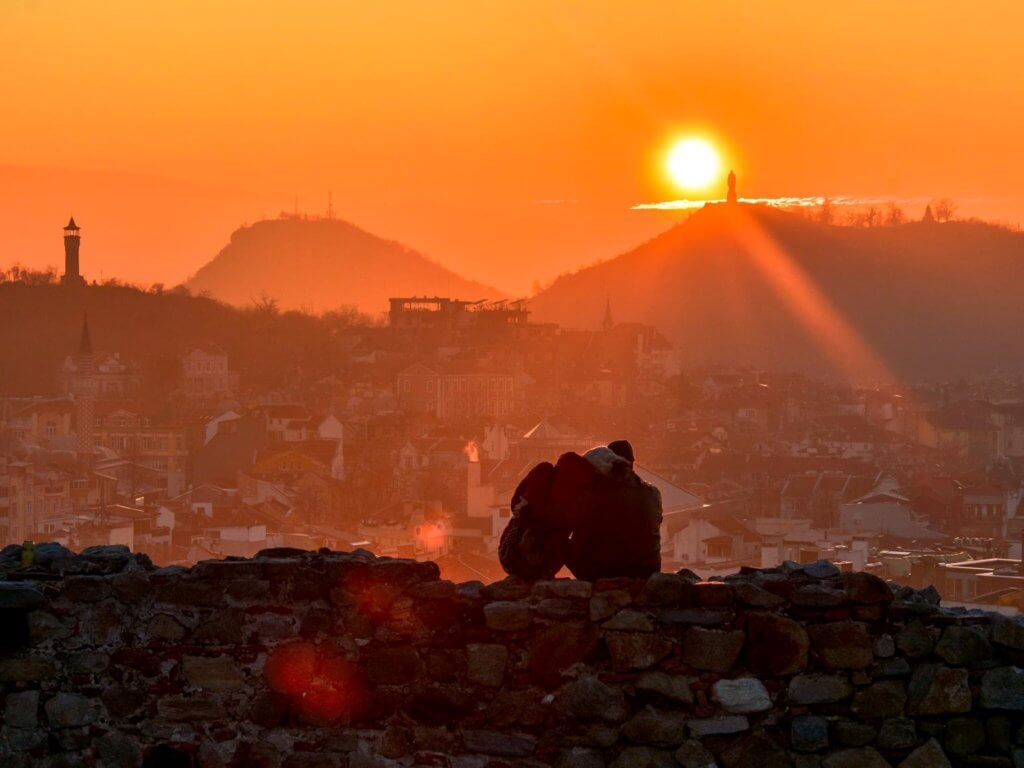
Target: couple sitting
[(591, 513)]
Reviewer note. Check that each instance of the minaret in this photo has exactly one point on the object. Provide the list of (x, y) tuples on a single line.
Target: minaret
[(85, 394), (608, 323), (731, 195), (72, 240)]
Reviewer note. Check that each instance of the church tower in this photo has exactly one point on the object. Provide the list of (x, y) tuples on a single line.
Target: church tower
[(608, 323), (72, 275), (731, 195), (85, 395)]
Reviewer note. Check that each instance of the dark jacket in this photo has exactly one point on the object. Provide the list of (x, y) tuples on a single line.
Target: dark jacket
[(547, 506), (620, 536)]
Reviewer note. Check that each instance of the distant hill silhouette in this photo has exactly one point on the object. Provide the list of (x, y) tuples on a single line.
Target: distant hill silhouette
[(40, 324), (323, 264), (932, 299)]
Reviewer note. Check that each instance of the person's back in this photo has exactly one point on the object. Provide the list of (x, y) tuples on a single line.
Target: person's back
[(546, 507), (620, 536)]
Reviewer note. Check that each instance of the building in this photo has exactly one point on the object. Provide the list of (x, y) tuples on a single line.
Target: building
[(48, 423), (155, 445), (983, 513), (72, 240), (30, 495), (885, 510), (111, 376), (447, 317), (206, 373), (456, 393)]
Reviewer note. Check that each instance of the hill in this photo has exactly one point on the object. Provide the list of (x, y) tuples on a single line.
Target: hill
[(40, 324), (322, 264), (754, 285)]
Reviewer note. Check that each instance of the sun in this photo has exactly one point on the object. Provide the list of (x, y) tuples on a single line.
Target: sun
[(693, 163)]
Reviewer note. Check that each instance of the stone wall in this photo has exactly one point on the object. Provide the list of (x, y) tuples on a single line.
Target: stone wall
[(316, 660)]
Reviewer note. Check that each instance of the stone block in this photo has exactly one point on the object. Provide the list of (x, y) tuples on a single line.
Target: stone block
[(86, 589), (190, 709), (116, 750), (712, 650), (852, 733), (507, 616), (897, 733), (631, 650), (692, 754), (817, 596), (916, 640), (486, 663), (819, 688), (630, 621), (224, 627), (22, 739), (808, 733), (606, 604), (588, 698), (659, 728), (21, 710), (963, 646), (396, 665), (776, 645), (1003, 688), (928, 755), (886, 698), (744, 695), (718, 726), (164, 627), (70, 710), (219, 673), (499, 744), (964, 736), (1008, 631), (674, 688), (29, 669), (938, 690), (841, 644), (754, 751), (564, 588), (754, 596), (20, 595)]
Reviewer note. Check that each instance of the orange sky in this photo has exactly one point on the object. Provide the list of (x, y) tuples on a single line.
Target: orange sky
[(447, 124)]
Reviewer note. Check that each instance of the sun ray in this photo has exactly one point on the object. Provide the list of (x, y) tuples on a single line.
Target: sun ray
[(838, 339)]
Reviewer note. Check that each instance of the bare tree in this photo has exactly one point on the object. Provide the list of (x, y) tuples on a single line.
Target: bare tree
[(944, 209), (872, 217), (265, 304), (894, 215)]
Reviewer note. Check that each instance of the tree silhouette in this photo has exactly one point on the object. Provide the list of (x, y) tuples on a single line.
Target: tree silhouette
[(944, 209)]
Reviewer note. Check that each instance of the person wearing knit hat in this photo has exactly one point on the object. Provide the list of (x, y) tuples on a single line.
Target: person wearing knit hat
[(621, 533)]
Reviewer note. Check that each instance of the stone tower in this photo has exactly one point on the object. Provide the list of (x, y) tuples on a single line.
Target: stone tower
[(85, 395), (72, 274), (731, 195)]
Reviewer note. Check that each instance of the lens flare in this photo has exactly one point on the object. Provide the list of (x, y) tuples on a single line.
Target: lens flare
[(693, 163)]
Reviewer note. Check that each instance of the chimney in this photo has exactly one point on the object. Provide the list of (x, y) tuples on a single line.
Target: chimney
[(858, 553)]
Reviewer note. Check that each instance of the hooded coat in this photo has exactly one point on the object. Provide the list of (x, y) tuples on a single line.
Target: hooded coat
[(621, 533), (547, 506)]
